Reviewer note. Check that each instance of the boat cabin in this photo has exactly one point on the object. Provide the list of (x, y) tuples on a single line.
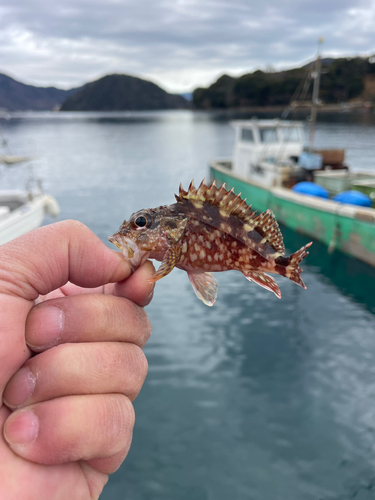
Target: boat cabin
[(265, 150)]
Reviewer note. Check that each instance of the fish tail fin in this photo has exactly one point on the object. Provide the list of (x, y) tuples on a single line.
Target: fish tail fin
[(292, 269)]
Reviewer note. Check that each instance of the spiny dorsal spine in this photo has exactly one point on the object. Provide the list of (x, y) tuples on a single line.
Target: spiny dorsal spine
[(264, 223), (218, 197)]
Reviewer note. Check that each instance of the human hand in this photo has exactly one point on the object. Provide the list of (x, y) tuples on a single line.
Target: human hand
[(70, 365)]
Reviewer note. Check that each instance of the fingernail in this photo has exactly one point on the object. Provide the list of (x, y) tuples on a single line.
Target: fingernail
[(44, 325), (21, 428), (20, 387)]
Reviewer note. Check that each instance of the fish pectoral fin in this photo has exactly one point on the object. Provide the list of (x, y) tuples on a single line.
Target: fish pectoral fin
[(170, 260), (204, 286), (263, 280)]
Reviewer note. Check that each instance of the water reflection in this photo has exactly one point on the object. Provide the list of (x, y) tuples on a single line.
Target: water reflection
[(255, 398), (351, 276)]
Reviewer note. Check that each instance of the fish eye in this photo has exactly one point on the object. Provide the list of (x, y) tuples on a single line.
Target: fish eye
[(140, 221)]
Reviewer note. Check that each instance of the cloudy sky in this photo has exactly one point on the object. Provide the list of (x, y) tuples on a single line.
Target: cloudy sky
[(178, 44)]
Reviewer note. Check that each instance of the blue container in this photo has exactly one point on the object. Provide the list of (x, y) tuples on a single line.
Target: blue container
[(353, 198), (310, 161), (311, 189)]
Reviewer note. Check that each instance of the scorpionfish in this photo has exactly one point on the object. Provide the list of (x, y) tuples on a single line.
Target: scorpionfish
[(209, 230)]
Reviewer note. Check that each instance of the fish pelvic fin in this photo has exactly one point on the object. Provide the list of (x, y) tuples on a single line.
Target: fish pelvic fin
[(292, 269), (170, 260), (264, 280), (204, 286)]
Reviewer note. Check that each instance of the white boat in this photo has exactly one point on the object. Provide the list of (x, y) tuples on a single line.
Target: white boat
[(23, 210), (269, 158)]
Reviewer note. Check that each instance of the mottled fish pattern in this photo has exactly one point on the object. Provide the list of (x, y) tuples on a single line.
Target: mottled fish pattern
[(208, 230)]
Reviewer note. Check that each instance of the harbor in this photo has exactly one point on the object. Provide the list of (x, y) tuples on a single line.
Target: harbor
[(255, 397)]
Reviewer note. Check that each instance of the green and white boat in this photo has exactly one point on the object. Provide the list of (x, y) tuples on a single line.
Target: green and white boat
[(265, 166)]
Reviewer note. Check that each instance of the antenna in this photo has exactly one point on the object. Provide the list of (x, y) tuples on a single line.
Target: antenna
[(315, 74)]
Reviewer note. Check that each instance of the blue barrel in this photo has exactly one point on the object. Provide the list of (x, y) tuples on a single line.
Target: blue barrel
[(353, 198), (311, 189)]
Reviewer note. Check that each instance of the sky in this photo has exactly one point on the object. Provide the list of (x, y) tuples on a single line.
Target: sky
[(178, 44)]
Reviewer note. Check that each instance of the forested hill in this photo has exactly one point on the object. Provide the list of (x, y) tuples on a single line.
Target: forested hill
[(342, 80), (120, 93), (17, 96)]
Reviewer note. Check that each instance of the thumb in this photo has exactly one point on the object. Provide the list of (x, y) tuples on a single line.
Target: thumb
[(47, 258)]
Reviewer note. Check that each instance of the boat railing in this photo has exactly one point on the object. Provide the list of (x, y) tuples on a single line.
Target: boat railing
[(227, 164)]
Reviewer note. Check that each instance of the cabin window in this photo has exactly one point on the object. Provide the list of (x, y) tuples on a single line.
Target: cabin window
[(290, 134), (268, 135), (247, 135)]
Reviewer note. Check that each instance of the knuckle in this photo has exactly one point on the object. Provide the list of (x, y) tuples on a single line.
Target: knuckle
[(137, 360), (141, 363), (123, 414), (147, 328), (144, 330), (72, 225)]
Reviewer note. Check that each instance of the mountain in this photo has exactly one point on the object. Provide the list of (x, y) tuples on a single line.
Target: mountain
[(120, 93), (342, 80), (16, 96)]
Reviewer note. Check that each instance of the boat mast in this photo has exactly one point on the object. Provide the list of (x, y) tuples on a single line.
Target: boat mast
[(315, 96)]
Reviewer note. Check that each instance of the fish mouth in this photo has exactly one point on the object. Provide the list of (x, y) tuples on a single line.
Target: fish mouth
[(130, 250)]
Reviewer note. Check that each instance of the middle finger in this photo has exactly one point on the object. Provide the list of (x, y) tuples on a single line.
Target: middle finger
[(86, 318), (78, 369)]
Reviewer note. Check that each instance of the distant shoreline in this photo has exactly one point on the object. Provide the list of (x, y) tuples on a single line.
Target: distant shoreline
[(324, 108)]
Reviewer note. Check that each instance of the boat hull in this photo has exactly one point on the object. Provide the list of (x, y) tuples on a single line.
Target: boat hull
[(346, 228), (27, 217)]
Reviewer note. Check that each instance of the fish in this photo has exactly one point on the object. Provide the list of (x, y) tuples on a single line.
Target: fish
[(209, 229)]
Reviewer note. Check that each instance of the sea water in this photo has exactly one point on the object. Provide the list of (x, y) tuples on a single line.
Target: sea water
[(255, 398)]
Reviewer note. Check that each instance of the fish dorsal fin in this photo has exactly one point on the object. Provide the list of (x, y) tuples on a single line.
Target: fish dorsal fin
[(221, 198), (267, 226), (231, 204)]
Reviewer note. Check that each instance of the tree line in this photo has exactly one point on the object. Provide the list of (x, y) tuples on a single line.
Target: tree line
[(341, 80)]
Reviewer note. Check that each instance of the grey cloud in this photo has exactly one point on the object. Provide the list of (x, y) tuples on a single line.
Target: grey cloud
[(80, 40)]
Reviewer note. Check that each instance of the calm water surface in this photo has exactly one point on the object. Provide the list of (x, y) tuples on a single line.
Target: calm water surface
[(255, 398)]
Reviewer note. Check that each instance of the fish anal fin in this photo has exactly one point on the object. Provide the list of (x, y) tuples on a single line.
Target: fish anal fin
[(204, 286), (264, 280), (170, 260)]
